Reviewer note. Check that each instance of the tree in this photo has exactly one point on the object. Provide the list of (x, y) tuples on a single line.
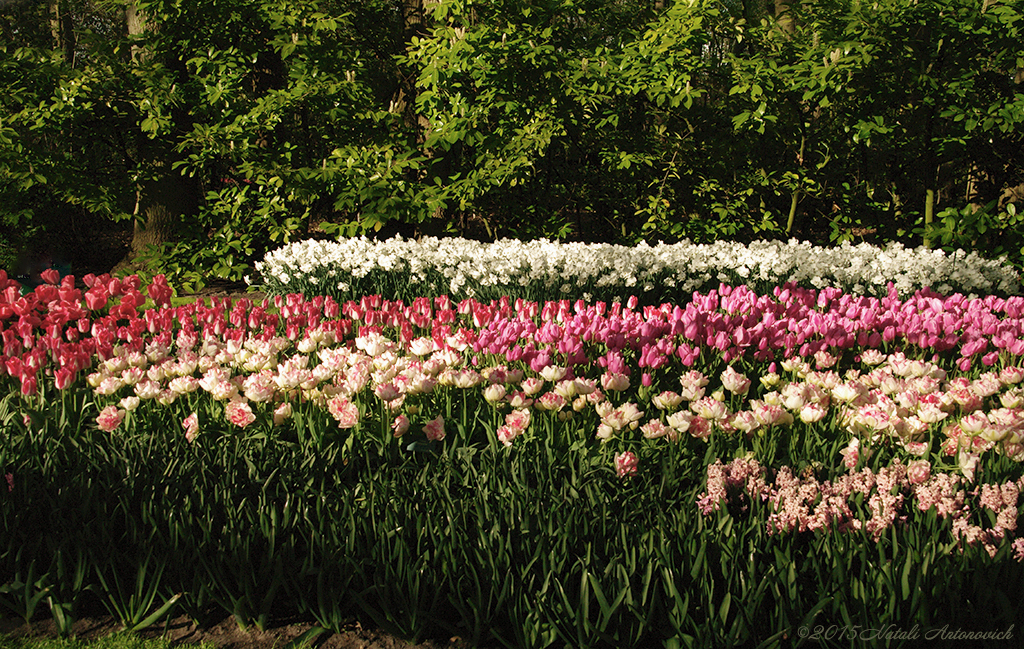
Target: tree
[(227, 127), (214, 119)]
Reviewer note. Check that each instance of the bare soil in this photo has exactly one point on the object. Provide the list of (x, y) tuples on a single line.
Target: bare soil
[(227, 635)]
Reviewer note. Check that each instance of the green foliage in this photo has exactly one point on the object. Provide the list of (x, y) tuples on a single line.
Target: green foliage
[(985, 227), (580, 119)]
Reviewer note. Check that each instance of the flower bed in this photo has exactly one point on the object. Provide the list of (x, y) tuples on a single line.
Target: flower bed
[(545, 270), (515, 472)]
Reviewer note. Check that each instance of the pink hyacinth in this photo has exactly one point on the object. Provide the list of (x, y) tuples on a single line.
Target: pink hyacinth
[(1018, 549)]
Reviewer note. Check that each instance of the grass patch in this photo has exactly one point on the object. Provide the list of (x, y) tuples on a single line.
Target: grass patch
[(120, 640)]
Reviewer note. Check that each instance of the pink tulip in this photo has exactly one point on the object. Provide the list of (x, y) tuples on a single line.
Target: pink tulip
[(110, 418), (29, 385), (191, 426), (50, 276), (434, 429), (239, 413), (626, 464), (615, 382), (282, 413), (735, 382), (400, 425)]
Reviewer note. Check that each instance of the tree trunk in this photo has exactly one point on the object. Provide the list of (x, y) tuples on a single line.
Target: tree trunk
[(62, 29), (784, 18), (163, 197), (160, 205), (414, 25)]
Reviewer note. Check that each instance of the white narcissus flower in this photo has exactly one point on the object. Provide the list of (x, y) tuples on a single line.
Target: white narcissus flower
[(468, 264)]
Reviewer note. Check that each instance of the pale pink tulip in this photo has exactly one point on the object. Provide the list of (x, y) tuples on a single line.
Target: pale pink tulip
[(344, 411), (434, 429), (735, 382), (239, 413), (626, 464), (110, 418), (191, 426), (400, 425)]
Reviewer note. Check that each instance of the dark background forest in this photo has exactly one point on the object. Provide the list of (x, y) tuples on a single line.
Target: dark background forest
[(192, 136)]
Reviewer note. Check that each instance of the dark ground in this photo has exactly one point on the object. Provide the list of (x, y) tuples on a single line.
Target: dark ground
[(227, 635)]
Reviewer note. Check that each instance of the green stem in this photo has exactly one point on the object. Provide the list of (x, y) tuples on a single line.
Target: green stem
[(792, 211), (929, 211), (796, 192)]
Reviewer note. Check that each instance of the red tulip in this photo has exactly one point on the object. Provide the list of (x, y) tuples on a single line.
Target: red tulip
[(50, 276), (96, 298)]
